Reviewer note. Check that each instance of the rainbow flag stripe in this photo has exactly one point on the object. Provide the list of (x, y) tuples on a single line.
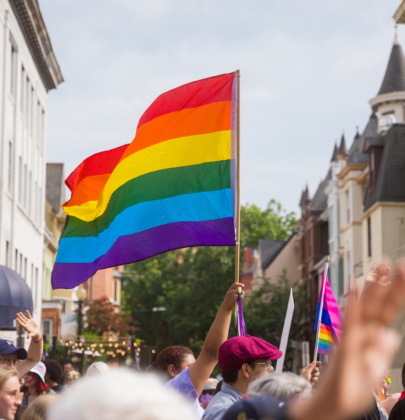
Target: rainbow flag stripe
[(326, 340), (174, 186)]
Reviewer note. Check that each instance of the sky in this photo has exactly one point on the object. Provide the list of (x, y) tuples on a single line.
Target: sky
[(308, 71)]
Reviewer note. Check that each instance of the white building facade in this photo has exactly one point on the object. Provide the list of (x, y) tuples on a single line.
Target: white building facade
[(28, 70)]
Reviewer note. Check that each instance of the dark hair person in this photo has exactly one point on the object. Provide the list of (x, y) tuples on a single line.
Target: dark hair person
[(53, 375), (189, 375)]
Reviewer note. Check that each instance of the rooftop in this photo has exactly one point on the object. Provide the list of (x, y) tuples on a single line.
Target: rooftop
[(356, 152), (394, 79), (36, 35)]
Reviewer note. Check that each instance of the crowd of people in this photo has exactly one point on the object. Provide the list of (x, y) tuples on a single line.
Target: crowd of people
[(180, 386)]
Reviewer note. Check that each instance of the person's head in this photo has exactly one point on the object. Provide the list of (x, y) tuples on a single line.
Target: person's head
[(11, 355), (121, 394), (34, 380), (282, 386), (97, 368), (67, 367), (173, 360), (208, 391), (53, 373), (244, 359), (39, 408), (255, 408), (71, 377), (10, 396)]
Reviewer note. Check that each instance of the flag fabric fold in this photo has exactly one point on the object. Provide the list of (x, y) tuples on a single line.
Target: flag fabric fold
[(331, 322), (239, 319), (174, 186)]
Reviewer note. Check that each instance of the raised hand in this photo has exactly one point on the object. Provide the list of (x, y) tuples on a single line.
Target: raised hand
[(378, 274), (365, 351), (232, 296), (311, 372), (29, 325)]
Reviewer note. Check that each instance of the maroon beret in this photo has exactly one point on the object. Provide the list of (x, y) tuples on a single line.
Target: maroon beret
[(238, 350)]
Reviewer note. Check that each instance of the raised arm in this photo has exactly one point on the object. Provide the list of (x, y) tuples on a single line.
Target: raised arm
[(36, 346), (201, 370), (365, 351)]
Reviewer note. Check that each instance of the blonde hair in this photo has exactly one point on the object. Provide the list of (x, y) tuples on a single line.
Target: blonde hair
[(5, 374), (72, 376), (39, 408)]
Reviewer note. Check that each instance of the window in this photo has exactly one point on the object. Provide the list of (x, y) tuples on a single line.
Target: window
[(16, 261), (47, 327), (35, 218), (29, 192), (13, 71), (22, 89), (25, 269), (42, 140), (369, 236), (349, 270), (64, 306), (10, 165), (347, 207), (20, 180), (21, 265), (90, 289), (36, 287), (25, 184), (7, 253), (32, 109), (116, 290), (27, 99), (40, 207)]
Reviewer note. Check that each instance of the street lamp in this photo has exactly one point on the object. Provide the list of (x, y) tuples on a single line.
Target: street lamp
[(81, 296)]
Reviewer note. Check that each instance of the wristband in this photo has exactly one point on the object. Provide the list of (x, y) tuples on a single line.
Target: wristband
[(36, 342)]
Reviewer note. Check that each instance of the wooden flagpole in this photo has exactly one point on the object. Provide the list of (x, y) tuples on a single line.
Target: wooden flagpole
[(325, 273), (237, 221)]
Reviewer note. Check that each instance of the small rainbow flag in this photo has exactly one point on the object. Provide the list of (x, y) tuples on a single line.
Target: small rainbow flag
[(331, 322), (173, 187)]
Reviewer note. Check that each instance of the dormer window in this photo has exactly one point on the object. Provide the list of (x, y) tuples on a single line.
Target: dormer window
[(386, 121)]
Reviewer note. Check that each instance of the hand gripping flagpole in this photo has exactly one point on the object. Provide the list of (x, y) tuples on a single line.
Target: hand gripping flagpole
[(325, 273)]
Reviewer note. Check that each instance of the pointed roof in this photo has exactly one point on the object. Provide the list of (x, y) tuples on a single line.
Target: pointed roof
[(304, 196), (394, 79), (320, 200), (342, 147), (334, 154), (356, 154)]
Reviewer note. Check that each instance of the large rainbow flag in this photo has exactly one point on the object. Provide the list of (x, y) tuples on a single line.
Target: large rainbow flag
[(174, 186), (331, 322)]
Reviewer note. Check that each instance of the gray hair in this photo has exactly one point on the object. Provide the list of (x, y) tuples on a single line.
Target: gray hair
[(121, 394), (282, 386)]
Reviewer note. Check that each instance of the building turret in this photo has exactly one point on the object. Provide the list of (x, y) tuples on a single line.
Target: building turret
[(342, 150), (389, 102)]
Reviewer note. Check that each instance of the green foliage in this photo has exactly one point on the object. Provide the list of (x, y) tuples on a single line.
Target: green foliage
[(192, 283), (273, 224), (266, 308)]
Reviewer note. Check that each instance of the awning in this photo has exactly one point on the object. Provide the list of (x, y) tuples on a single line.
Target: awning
[(15, 296)]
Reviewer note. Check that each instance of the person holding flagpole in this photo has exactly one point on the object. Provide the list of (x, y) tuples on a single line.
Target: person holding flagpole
[(189, 379)]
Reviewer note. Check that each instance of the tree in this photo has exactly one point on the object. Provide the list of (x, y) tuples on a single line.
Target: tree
[(266, 308), (104, 317), (273, 223), (192, 283)]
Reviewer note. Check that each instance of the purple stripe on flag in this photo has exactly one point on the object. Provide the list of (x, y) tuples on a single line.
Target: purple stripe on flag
[(240, 316), (139, 246)]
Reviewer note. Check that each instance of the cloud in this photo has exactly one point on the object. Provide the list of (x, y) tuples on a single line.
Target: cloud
[(308, 71)]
